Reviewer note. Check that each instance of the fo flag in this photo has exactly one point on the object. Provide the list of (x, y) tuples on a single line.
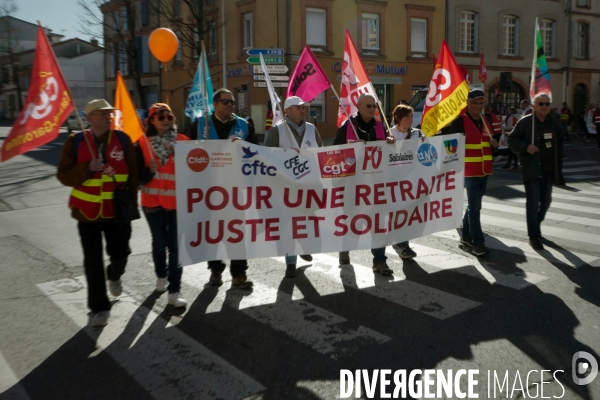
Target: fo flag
[(47, 106), (540, 78), (354, 82), (447, 94), (308, 79), (126, 117)]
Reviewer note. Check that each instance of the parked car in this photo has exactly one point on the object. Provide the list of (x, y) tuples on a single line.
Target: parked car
[(73, 123)]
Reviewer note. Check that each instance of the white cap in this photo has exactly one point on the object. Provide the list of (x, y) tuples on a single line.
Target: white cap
[(293, 101)]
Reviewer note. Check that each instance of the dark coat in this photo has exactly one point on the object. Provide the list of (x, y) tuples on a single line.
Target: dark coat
[(531, 164)]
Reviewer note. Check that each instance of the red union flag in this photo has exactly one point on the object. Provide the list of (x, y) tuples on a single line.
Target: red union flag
[(447, 94), (354, 82), (482, 69), (47, 106), (308, 79)]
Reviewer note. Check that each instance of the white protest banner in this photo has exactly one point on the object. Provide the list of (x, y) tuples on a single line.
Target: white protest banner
[(236, 200)]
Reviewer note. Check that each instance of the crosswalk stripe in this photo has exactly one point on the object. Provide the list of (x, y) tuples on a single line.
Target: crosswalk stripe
[(558, 195), (564, 206), (445, 260), (398, 290), (135, 339), (583, 192), (582, 176), (582, 237), (580, 162), (580, 169), (595, 187), (550, 254), (9, 383), (501, 208)]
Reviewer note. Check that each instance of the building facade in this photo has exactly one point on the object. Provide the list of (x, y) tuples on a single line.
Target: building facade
[(504, 31)]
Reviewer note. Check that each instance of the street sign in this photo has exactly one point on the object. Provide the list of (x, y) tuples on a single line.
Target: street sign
[(272, 69), (275, 84), (268, 60), (273, 77), (265, 52)]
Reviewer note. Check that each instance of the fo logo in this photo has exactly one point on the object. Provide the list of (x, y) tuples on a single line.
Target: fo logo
[(197, 160), (373, 156), (451, 146), (427, 155)]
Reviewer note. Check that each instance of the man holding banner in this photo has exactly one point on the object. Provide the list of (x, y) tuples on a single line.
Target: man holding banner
[(478, 166), (224, 124), (294, 133), (93, 162)]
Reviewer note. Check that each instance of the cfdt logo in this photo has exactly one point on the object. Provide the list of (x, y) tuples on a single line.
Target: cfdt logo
[(337, 163), (298, 165), (427, 155), (584, 368), (197, 160), (373, 158)]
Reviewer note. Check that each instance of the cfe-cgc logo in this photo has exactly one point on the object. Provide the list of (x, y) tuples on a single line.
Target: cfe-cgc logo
[(298, 165), (451, 147), (372, 159), (337, 163), (197, 159), (427, 155)]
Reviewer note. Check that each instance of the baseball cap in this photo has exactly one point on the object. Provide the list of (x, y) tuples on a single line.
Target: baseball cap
[(293, 101), (157, 107), (97, 104), (475, 94)]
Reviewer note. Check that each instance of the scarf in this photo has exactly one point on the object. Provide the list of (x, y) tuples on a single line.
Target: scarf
[(298, 128), (163, 145)]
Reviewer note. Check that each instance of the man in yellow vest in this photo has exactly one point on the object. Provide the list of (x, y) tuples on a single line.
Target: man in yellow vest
[(93, 163), (478, 166)]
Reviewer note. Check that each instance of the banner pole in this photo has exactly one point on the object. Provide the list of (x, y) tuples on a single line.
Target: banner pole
[(383, 115), (344, 108)]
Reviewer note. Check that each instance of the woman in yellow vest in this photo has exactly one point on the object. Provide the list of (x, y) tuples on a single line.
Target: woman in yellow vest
[(156, 166)]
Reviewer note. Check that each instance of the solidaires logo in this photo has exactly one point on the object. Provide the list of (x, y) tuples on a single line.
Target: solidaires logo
[(427, 154)]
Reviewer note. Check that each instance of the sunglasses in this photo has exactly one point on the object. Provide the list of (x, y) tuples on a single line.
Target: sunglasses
[(226, 102), (162, 117), (541, 103), (370, 105)]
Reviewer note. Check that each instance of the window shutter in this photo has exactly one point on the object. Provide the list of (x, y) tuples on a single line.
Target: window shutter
[(476, 44), (591, 41), (517, 35), (574, 39), (315, 27)]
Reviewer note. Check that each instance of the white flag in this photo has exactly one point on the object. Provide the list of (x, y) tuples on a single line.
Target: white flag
[(275, 101)]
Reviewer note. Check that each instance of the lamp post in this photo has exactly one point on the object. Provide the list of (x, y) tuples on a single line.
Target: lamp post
[(224, 54)]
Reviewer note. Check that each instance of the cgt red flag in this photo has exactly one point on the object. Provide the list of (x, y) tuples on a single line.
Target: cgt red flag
[(47, 106), (482, 69)]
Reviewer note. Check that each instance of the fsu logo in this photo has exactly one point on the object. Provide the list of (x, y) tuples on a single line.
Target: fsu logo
[(337, 163)]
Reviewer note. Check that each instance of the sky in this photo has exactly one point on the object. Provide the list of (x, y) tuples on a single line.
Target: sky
[(58, 15)]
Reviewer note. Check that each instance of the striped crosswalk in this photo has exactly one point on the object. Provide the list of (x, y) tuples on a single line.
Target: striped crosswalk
[(136, 333)]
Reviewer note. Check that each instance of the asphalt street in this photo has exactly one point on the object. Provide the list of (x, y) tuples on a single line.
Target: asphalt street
[(508, 313)]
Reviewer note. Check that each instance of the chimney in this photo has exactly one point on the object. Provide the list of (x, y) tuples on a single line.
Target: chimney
[(94, 42)]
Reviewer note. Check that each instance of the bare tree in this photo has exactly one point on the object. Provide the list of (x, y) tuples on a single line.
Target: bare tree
[(117, 23), (9, 45)]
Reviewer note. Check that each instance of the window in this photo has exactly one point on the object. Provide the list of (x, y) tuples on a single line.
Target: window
[(124, 18), (179, 54), (197, 48), (547, 28), (123, 64), (110, 54), (145, 16), (212, 40), (583, 3), (116, 18), (317, 109), (143, 53), (510, 35), (316, 24), (177, 8), (248, 28), (370, 32), (582, 40), (469, 33), (418, 37)]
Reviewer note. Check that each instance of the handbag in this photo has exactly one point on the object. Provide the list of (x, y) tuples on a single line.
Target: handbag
[(124, 206)]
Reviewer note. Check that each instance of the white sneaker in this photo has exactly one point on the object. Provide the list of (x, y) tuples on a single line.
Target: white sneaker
[(162, 284), (115, 287), (100, 319), (176, 300), (498, 158)]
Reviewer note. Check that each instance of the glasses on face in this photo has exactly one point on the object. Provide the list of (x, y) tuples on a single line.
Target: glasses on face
[(370, 105), (226, 102), (543, 103), (162, 117), (478, 103)]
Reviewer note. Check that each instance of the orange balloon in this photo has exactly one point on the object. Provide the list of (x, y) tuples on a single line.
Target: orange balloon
[(163, 44)]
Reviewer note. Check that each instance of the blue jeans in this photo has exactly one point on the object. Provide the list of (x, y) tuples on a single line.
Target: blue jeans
[(378, 255), (538, 193), (472, 220), (291, 259), (163, 226)]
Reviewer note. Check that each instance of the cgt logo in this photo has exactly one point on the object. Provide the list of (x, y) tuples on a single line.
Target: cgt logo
[(299, 165), (337, 163), (197, 160), (427, 155), (451, 146), (581, 368), (373, 156)]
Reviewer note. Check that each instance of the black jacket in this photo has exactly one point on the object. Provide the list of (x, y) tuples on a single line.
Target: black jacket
[(364, 131)]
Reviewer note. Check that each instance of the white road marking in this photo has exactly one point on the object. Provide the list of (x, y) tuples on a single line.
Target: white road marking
[(500, 208), (9, 382)]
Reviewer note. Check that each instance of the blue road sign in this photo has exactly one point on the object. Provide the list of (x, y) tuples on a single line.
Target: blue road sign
[(266, 52)]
